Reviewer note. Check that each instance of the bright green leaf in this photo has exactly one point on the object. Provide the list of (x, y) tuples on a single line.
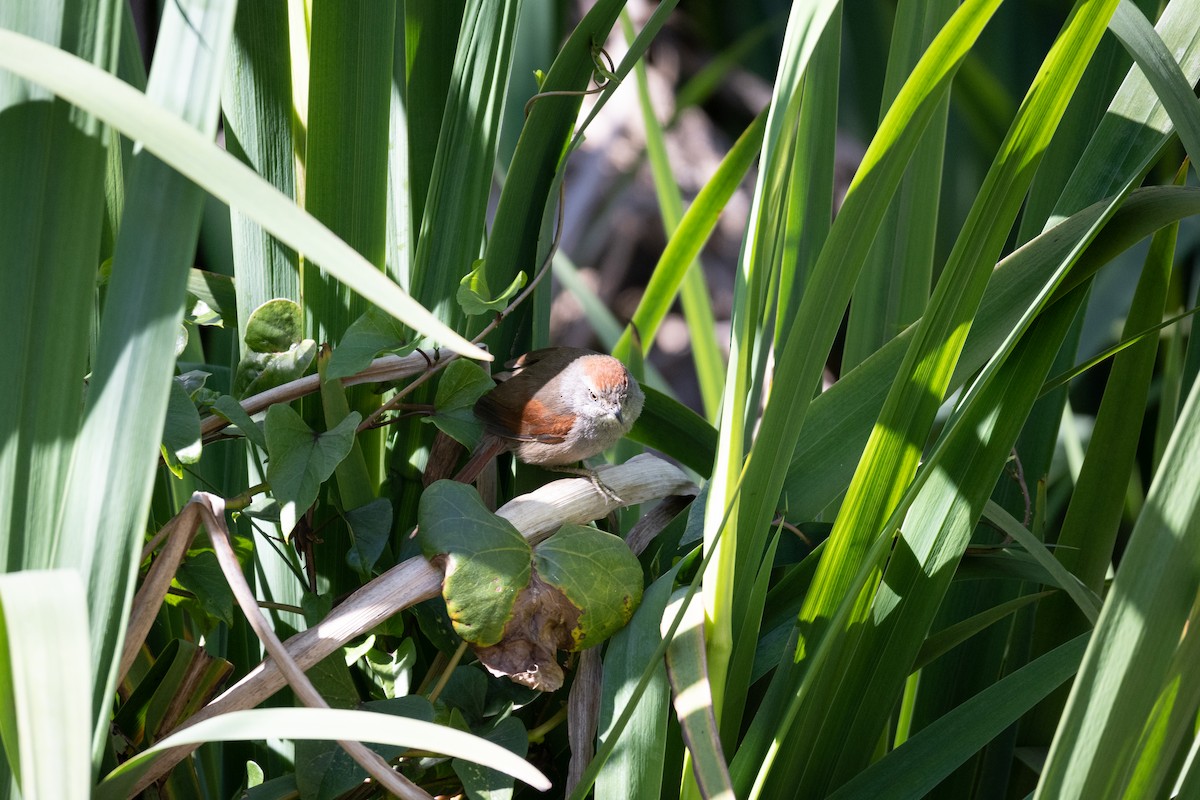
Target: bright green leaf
[(475, 297)]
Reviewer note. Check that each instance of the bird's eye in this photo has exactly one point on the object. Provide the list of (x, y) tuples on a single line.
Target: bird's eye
[(592, 392)]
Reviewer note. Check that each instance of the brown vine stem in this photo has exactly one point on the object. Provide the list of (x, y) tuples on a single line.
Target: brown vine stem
[(211, 511)]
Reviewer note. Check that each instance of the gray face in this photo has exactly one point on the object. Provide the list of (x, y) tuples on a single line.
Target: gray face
[(612, 406)]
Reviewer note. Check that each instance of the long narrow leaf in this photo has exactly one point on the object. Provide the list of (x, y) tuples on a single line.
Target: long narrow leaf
[(195, 156), (44, 719)]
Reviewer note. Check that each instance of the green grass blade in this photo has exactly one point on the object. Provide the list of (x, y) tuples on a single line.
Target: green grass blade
[(462, 172), (1173, 88), (693, 230), (53, 164), (941, 642), (808, 193), (841, 418), (917, 766), (430, 26), (1123, 147), (894, 284), (1085, 599), (513, 245), (200, 160), (800, 362), (256, 99), (330, 723), (691, 696), (346, 153), (802, 357), (758, 269), (894, 449), (1123, 674), (45, 724), (1089, 531), (697, 308), (112, 471), (635, 767)]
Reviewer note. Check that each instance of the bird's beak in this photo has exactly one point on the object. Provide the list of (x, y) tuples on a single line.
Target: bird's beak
[(617, 414)]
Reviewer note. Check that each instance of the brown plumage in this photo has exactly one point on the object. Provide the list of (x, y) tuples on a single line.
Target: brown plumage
[(557, 406)]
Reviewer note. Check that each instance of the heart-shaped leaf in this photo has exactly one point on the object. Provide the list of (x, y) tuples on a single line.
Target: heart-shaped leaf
[(301, 459), (487, 560)]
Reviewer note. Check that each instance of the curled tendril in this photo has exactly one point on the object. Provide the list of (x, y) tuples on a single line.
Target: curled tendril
[(603, 73)]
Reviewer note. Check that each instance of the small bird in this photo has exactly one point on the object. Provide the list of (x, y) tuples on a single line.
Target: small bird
[(557, 406)]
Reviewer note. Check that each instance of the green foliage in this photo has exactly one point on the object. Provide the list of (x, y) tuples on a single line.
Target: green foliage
[(943, 548), (276, 349), (597, 574), (461, 385), (488, 562), (475, 297), (301, 459)]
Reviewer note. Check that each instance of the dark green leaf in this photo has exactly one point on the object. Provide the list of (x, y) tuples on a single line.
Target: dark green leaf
[(301, 460), (201, 575), (461, 385), (181, 431), (275, 327), (215, 291), (371, 334), (391, 672), (225, 406), (324, 770), (276, 350), (483, 783), (370, 526)]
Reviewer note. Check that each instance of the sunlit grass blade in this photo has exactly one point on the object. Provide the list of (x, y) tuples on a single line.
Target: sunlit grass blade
[(112, 472), (1170, 84), (197, 157), (691, 695), (1089, 530), (758, 269), (329, 723), (802, 357), (894, 284), (53, 164), (1139, 631), (842, 416), (697, 308), (943, 523), (693, 230), (45, 722)]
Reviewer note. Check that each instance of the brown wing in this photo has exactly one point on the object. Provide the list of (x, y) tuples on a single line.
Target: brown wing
[(533, 423), (503, 412), (528, 360)]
